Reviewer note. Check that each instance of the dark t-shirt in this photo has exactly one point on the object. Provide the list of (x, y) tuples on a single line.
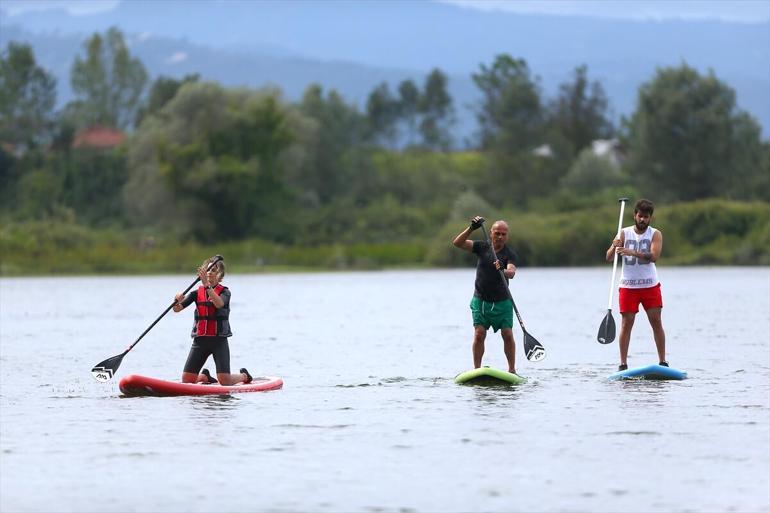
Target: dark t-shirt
[(489, 286)]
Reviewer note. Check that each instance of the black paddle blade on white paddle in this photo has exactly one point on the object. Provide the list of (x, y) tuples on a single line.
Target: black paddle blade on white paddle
[(606, 329), (533, 349), (104, 371)]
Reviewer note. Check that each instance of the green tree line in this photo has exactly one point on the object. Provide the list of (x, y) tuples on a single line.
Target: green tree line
[(205, 165)]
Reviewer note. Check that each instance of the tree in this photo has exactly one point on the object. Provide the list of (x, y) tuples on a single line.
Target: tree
[(382, 112), (579, 112), (437, 112), (408, 106), (510, 114), (38, 194), (107, 82), (27, 98), (161, 92), (591, 173), (339, 128), (511, 119), (93, 181), (688, 140), (215, 164)]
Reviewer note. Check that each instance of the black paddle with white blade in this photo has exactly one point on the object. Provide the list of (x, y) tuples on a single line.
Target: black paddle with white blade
[(607, 327), (104, 371), (533, 349)]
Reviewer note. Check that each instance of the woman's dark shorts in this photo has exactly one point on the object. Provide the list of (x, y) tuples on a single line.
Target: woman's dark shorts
[(202, 348)]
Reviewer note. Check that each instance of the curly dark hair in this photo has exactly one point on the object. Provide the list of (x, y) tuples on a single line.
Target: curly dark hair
[(644, 206)]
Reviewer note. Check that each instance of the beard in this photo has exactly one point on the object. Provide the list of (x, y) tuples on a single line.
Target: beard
[(641, 225)]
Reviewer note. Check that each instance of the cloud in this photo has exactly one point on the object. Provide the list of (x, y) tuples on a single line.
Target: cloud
[(73, 7), (177, 57)]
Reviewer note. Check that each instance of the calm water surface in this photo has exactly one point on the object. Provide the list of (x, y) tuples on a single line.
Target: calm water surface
[(369, 419)]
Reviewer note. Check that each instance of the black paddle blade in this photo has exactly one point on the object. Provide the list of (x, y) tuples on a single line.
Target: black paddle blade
[(104, 371), (533, 349), (606, 329)]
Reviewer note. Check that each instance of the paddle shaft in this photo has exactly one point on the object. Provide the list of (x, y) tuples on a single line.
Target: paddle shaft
[(145, 332), (216, 260), (615, 258)]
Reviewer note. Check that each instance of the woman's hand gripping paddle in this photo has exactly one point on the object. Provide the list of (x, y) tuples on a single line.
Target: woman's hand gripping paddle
[(533, 349), (607, 327), (104, 371)]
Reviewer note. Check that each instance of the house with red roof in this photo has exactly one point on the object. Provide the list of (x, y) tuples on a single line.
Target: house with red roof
[(98, 136)]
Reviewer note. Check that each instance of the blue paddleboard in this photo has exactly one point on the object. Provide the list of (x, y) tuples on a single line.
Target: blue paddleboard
[(654, 371)]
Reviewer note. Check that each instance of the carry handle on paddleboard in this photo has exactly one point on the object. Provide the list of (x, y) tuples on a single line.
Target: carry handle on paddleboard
[(533, 349), (104, 371)]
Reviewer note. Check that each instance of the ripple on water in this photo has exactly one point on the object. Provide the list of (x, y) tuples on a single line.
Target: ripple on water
[(399, 435), (314, 426), (634, 433)]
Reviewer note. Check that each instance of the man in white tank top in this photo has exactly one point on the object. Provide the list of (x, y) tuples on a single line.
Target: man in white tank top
[(639, 246)]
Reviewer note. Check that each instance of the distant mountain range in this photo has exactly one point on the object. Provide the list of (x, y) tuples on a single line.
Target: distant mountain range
[(352, 46)]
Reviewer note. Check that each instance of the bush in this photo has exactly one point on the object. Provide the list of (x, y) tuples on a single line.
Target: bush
[(711, 232)]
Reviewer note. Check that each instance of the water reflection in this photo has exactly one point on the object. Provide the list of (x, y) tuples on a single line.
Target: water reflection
[(495, 394), (225, 402), (643, 391)]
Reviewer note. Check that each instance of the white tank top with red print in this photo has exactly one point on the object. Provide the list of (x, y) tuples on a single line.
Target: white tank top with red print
[(638, 273)]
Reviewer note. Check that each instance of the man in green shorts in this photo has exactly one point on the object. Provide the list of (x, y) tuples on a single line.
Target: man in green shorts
[(491, 305)]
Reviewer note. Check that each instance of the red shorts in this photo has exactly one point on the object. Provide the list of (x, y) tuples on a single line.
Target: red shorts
[(649, 298)]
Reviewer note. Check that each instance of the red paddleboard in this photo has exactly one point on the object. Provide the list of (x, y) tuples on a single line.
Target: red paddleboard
[(135, 384)]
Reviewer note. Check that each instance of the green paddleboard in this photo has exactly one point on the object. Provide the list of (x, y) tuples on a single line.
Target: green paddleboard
[(488, 376)]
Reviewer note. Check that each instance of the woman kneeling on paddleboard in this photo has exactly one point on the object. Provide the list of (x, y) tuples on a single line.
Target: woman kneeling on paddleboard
[(210, 328)]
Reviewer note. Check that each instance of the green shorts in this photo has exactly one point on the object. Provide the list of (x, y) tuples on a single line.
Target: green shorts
[(497, 314)]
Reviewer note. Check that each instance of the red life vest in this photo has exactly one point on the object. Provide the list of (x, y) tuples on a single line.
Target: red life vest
[(207, 315)]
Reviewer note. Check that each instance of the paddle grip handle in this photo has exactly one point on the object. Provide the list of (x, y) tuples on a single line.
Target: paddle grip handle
[(217, 259)]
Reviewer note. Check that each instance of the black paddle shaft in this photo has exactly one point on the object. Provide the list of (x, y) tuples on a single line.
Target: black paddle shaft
[(533, 349), (104, 371), (216, 260)]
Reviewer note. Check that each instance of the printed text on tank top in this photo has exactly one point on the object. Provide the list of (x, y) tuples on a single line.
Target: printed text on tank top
[(638, 273)]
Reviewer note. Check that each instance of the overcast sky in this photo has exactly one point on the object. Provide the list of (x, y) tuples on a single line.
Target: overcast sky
[(731, 10), (727, 10)]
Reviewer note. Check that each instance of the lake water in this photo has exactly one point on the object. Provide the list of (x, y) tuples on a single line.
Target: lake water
[(369, 418)]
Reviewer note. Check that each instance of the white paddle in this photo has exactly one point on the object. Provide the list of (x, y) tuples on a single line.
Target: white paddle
[(607, 327)]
